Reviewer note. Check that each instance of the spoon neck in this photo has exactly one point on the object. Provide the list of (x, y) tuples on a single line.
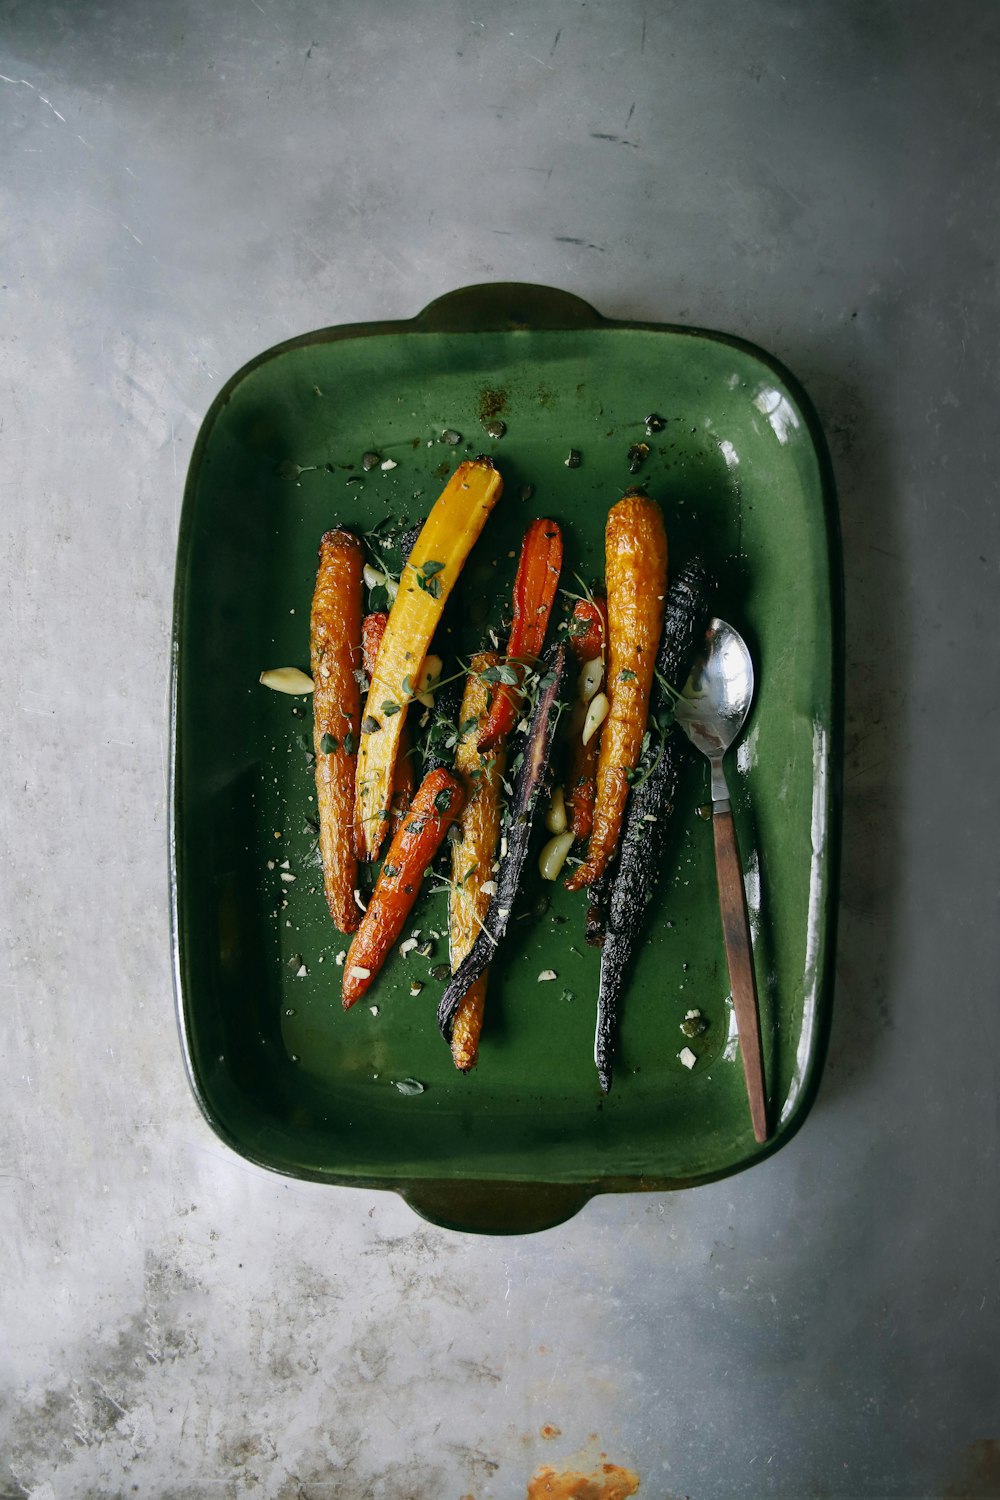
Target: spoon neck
[(720, 791)]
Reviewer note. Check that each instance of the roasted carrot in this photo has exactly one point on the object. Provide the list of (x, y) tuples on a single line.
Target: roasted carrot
[(588, 632), (372, 630), (335, 650), (404, 777), (428, 577), (435, 807), (517, 835), (635, 545), (535, 584), (472, 856)]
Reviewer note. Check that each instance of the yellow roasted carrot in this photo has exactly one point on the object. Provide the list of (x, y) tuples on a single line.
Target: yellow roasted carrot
[(635, 543), (428, 577), (335, 650), (473, 855)]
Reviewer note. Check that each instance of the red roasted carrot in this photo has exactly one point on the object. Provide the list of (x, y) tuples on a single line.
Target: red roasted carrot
[(404, 776), (635, 546), (335, 649), (588, 633), (435, 807), (535, 587)]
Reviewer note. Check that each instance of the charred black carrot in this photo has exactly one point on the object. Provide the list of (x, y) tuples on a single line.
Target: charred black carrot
[(517, 833), (649, 810)]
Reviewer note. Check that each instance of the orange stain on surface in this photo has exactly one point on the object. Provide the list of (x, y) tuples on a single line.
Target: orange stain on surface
[(609, 1482), (548, 1431)]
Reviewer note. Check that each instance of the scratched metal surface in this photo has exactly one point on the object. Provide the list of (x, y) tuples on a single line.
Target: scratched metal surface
[(184, 185)]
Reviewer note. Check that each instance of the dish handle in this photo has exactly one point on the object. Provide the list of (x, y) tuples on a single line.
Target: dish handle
[(505, 305), (496, 1207)]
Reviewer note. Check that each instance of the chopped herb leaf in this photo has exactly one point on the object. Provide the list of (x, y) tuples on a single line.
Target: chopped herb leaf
[(328, 744), (443, 799), (370, 725), (430, 586), (378, 599), (349, 745), (389, 708), (470, 725), (407, 686), (430, 568), (626, 675), (501, 673)]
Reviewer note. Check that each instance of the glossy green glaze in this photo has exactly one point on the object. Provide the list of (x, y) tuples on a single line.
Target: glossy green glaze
[(282, 1074)]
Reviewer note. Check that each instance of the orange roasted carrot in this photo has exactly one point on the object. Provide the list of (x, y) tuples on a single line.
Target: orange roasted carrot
[(335, 651), (635, 547), (588, 632), (404, 776), (535, 585), (435, 807), (474, 854)]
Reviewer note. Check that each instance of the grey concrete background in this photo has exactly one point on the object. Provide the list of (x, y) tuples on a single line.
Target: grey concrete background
[(183, 185)]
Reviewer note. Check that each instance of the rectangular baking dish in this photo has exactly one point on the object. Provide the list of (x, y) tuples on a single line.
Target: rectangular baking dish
[(281, 1073)]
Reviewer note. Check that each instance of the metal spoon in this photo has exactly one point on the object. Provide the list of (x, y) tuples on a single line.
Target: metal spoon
[(712, 711)]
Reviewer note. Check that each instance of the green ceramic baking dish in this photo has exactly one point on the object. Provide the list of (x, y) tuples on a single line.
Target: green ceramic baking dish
[(281, 1073)]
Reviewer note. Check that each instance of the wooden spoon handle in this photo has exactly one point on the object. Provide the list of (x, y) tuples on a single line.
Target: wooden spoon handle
[(739, 955)]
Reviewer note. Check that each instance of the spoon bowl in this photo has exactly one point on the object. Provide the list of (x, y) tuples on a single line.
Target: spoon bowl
[(717, 697), (712, 710)]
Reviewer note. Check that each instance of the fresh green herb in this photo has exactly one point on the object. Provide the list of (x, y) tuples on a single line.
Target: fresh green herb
[(443, 799), (370, 725), (390, 871), (500, 673), (328, 745), (378, 599), (407, 686), (349, 745), (470, 725), (626, 675), (427, 579), (389, 708)]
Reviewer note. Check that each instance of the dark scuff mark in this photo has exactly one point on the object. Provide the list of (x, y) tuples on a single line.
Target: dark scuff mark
[(555, 42), (572, 239), (618, 140)]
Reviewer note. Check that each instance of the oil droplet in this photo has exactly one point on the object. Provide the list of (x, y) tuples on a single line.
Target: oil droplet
[(496, 428)]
